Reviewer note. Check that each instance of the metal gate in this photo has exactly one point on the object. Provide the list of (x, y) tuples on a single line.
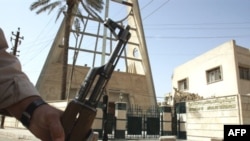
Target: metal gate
[(143, 123)]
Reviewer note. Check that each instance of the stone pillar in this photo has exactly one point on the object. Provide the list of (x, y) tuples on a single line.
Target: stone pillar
[(97, 124), (121, 119), (166, 120), (181, 120), (182, 125)]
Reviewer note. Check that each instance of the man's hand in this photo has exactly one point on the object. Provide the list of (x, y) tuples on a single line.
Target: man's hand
[(45, 122), (46, 125)]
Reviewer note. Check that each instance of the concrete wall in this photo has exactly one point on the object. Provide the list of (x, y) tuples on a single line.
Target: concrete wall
[(245, 106), (206, 118)]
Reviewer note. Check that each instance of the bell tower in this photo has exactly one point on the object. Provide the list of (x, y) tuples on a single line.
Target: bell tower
[(91, 45)]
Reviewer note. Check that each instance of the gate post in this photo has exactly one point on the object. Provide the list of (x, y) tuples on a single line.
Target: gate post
[(97, 124), (166, 120), (121, 119), (181, 120)]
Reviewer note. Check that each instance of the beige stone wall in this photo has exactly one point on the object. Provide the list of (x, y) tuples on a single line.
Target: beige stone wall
[(245, 106), (132, 85), (50, 87), (12, 122), (206, 118)]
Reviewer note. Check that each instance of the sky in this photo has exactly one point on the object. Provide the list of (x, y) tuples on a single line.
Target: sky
[(176, 31)]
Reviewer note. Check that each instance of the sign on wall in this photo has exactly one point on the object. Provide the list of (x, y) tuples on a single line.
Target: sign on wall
[(219, 103)]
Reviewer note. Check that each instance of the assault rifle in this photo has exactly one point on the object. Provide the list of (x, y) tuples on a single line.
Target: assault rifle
[(80, 113)]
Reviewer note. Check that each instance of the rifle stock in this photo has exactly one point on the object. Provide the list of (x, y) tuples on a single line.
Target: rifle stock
[(80, 113), (77, 121)]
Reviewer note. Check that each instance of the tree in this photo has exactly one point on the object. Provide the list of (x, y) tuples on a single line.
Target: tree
[(69, 6)]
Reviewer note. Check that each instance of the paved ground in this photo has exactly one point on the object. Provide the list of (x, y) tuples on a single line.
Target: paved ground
[(16, 134)]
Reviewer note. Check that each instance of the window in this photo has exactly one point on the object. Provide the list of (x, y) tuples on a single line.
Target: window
[(214, 75), (244, 73), (183, 84), (136, 53)]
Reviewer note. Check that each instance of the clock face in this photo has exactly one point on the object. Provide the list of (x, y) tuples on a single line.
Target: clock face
[(136, 53)]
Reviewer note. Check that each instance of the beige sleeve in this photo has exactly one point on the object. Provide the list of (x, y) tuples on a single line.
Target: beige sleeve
[(14, 84)]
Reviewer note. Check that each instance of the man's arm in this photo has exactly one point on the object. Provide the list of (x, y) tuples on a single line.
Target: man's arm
[(17, 93), (14, 84)]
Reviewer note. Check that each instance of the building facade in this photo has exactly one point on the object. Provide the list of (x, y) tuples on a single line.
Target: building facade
[(221, 77), (224, 70)]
